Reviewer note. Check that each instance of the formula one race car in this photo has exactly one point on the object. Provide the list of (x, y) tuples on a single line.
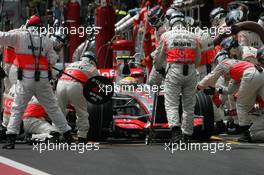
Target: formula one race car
[(140, 110), (131, 114)]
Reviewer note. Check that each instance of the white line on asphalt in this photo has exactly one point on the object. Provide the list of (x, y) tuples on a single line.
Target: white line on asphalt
[(252, 144), (21, 166)]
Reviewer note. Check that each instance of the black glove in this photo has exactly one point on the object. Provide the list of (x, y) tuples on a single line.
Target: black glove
[(220, 91), (259, 68), (162, 72), (210, 91), (2, 73)]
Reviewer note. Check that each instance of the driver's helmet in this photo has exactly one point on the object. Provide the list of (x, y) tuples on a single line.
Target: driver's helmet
[(128, 84)]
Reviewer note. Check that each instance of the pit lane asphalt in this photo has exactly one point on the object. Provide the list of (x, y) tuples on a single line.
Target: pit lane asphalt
[(137, 158)]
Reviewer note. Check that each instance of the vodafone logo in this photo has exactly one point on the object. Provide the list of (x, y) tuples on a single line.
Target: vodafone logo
[(109, 73)]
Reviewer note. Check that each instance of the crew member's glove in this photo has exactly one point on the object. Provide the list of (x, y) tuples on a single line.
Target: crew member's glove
[(231, 112), (210, 91), (147, 62), (260, 101), (162, 72), (220, 90), (216, 100), (259, 68)]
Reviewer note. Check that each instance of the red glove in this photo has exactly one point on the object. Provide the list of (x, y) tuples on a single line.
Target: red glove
[(147, 62), (216, 100), (260, 102)]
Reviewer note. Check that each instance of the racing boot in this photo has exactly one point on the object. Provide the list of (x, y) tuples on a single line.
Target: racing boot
[(230, 124), (245, 137), (2, 133), (176, 134), (186, 138), (68, 137), (10, 141), (238, 130), (220, 128), (82, 140), (28, 139), (55, 137)]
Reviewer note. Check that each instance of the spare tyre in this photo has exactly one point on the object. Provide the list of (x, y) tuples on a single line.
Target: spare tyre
[(100, 119), (204, 109)]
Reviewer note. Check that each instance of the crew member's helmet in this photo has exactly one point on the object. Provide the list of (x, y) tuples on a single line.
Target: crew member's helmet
[(176, 18), (170, 11), (221, 56), (234, 16), (59, 39), (239, 6), (34, 21), (216, 15), (90, 57), (156, 16), (229, 43)]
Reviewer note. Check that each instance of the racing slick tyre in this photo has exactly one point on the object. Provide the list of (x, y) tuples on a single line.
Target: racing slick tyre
[(204, 108), (100, 118)]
